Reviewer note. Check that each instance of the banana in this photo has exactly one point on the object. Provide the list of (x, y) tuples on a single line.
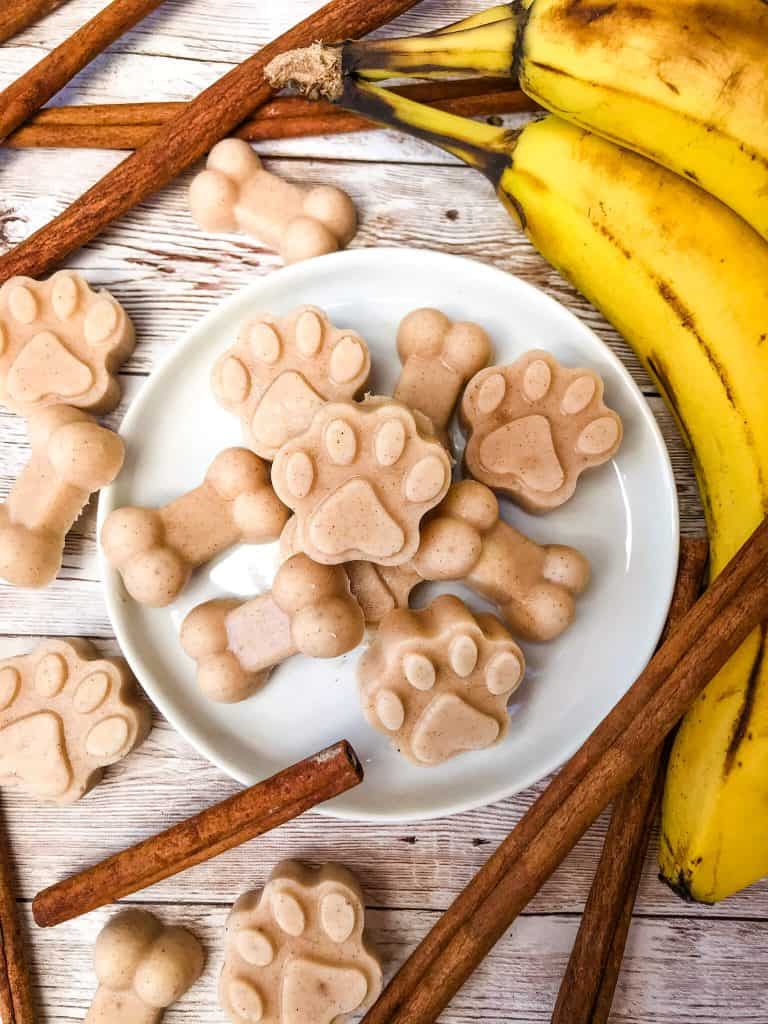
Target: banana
[(686, 282)]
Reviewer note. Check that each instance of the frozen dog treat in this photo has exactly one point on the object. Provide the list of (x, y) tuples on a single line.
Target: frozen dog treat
[(72, 456), (535, 426), (296, 953), (65, 713), (143, 968), (360, 479), (438, 681), (235, 193), (438, 358), (155, 550), (281, 370), (60, 343), (237, 643)]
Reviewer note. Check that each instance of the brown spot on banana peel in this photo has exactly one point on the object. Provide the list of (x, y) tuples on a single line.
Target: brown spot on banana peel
[(741, 725)]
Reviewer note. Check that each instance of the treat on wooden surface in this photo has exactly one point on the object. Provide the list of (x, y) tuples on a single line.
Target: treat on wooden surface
[(282, 369), (155, 550), (71, 457), (66, 713), (438, 357), (61, 342), (236, 193), (360, 479), (438, 680), (237, 643), (535, 426), (143, 967), (296, 953)]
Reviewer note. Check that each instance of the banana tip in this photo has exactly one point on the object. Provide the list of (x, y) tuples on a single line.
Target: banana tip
[(314, 71)]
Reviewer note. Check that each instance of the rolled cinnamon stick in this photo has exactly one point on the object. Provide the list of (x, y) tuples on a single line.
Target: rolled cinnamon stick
[(28, 93), (179, 143), (17, 15), (711, 631), (589, 982), (234, 821), (15, 987)]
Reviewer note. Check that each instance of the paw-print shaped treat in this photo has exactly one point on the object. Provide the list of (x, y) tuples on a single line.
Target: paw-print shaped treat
[(438, 358), (72, 456), (438, 680), (295, 953), (237, 643), (60, 343), (360, 479), (535, 426), (143, 967), (235, 193), (282, 370), (155, 550), (66, 713)]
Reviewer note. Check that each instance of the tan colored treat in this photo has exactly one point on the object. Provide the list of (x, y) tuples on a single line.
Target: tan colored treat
[(296, 953), (360, 479), (438, 681), (235, 193), (65, 713), (72, 456), (438, 357), (535, 426), (155, 550), (282, 370), (61, 343), (143, 968), (236, 644)]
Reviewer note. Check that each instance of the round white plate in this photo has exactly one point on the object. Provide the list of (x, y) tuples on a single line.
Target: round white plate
[(623, 516)]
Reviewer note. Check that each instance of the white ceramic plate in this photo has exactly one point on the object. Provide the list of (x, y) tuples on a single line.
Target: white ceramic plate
[(623, 516)]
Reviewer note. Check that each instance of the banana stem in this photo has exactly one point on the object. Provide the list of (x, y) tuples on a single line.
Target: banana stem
[(491, 15)]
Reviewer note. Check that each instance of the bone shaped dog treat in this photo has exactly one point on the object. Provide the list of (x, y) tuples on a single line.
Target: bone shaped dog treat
[(143, 968), (235, 193), (66, 713), (155, 550), (280, 371), (296, 952), (438, 358), (237, 643), (60, 343), (72, 456)]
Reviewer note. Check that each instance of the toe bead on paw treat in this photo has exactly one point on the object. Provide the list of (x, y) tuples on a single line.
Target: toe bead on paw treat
[(236, 643), (155, 550), (438, 357), (236, 193), (143, 967), (72, 456), (60, 342), (360, 479), (66, 713), (535, 426), (437, 681), (282, 370), (296, 952)]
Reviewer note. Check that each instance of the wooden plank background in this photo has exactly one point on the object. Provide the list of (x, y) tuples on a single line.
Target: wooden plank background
[(685, 963)]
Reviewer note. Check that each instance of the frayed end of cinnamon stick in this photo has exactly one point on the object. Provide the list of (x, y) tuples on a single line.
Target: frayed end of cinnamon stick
[(314, 71)]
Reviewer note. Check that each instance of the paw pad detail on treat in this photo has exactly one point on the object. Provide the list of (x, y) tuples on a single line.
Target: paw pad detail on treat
[(295, 953), (438, 680), (282, 370), (535, 426), (60, 342), (66, 713), (359, 479)]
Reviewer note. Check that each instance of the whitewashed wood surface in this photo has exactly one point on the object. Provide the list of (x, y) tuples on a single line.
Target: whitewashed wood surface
[(684, 963)]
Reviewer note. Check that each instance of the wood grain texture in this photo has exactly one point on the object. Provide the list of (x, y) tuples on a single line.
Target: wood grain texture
[(685, 964)]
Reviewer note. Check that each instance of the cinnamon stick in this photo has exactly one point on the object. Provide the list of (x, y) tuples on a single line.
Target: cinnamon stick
[(20, 14), (711, 631), (182, 141), (589, 982), (219, 828), (28, 93), (15, 989)]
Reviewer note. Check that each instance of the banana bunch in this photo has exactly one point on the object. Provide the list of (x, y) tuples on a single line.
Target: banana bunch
[(683, 279)]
